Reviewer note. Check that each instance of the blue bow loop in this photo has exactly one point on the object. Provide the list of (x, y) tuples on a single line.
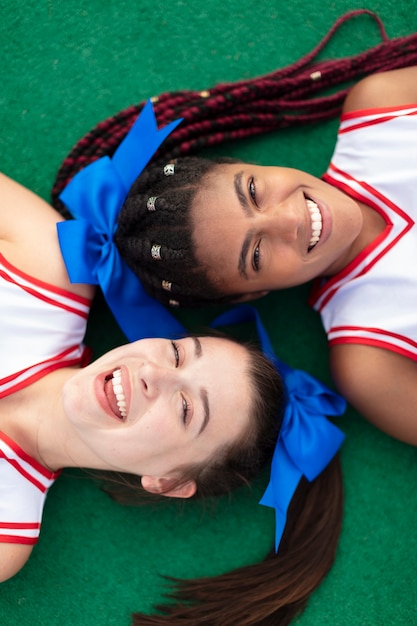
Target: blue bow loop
[(94, 197), (307, 441)]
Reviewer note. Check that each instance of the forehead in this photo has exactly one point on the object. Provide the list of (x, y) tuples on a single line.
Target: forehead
[(227, 373), (219, 222)]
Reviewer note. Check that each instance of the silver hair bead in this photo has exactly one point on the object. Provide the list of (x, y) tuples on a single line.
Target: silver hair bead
[(150, 205), (174, 303), (166, 285), (169, 169), (156, 252)]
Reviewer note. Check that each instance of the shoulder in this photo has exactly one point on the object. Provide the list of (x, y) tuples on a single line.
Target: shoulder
[(28, 236), (384, 89), (365, 376), (13, 556), (22, 210)]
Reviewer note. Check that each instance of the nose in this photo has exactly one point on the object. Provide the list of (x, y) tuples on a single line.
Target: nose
[(282, 220), (155, 378)]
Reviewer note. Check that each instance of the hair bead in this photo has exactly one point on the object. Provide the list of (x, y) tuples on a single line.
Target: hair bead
[(156, 252), (150, 205), (169, 169)]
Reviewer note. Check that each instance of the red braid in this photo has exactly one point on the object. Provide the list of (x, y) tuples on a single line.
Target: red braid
[(230, 111)]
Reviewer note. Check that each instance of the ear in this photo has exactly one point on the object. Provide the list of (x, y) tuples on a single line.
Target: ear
[(168, 486), (246, 297)]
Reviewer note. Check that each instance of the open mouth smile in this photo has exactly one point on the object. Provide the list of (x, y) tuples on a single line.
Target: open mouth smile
[(115, 394), (316, 223)]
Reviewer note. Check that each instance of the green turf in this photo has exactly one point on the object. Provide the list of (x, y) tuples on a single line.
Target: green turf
[(65, 66)]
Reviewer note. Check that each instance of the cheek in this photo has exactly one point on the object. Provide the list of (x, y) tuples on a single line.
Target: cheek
[(72, 399)]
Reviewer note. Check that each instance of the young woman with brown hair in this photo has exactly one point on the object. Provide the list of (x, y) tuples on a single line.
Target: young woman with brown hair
[(170, 416), (235, 231)]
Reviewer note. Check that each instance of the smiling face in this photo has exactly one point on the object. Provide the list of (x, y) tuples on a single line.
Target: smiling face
[(261, 228), (153, 406)]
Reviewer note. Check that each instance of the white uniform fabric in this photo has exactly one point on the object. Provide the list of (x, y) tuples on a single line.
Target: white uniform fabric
[(373, 301), (41, 329)]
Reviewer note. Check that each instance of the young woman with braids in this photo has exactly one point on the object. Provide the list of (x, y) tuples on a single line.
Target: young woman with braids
[(251, 229), (172, 417), (234, 231), (275, 591)]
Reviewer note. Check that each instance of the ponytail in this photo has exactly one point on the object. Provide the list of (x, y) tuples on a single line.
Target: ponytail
[(275, 591)]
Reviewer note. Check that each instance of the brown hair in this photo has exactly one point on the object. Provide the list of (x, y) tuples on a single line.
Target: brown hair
[(270, 593), (239, 462), (273, 592)]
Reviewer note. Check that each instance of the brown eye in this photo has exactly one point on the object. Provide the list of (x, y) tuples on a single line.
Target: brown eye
[(185, 410), (252, 190), (256, 258)]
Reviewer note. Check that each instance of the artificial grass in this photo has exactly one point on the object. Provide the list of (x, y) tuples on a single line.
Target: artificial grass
[(65, 66)]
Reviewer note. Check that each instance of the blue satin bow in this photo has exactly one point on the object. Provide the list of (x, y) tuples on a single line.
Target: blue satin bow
[(94, 197), (307, 441)]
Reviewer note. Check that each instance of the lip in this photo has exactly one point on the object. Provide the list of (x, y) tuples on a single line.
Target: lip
[(99, 389), (326, 223)]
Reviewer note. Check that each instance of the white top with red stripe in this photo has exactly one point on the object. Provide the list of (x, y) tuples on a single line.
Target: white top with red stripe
[(41, 329), (373, 301), (24, 484)]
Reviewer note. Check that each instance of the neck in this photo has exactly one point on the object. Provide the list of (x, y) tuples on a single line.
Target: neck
[(34, 418), (373, 224)]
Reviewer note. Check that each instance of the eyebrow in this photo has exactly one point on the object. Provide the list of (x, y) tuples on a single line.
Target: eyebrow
[(243, 201), (198, 352)]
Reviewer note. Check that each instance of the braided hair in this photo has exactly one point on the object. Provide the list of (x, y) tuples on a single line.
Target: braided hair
[(274, 591), (293, 95), (163, 219)]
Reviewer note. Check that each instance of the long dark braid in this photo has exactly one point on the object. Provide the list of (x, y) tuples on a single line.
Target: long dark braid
[(287, 97)]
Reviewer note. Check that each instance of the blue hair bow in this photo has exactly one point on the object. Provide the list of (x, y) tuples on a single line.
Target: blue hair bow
[(307, 441), (94, 197)]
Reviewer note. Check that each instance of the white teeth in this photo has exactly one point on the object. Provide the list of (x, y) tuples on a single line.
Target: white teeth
[(316, 222), (119, 393)]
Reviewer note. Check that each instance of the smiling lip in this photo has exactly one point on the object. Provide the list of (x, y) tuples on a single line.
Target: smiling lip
[(113, 393), (316, 223)]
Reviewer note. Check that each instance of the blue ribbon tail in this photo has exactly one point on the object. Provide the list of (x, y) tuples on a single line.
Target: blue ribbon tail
[(140, 144), (307, 441), (140, 316)]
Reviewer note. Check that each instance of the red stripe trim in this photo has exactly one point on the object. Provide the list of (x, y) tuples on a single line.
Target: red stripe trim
[(374, 192), (30, 541), (351, 115), (21, 525), (52, 288), (375, 343), (61, 356), (331, 286), (35, 294), (48, 474), (23, 472), (376, 331), (373, 122), (80, 361)]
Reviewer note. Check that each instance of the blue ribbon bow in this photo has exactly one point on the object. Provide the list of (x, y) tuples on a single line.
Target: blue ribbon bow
[(307, 441), (94, 197)]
